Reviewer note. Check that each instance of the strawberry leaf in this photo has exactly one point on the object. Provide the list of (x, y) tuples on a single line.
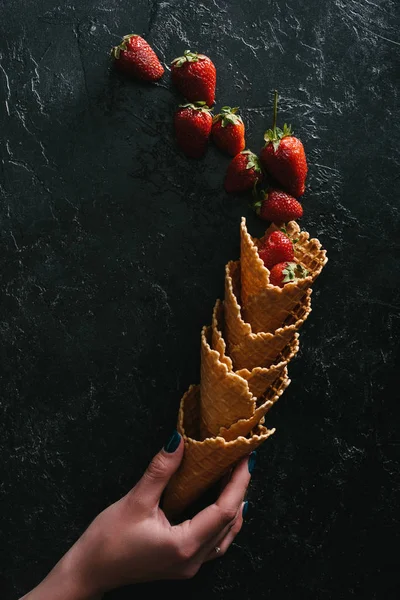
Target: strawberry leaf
[(276, 145), (252, 161), (228, 116), (188, 56), (293, 271), (301, 271), (116, 51), (287, 130), (288, 272), (199, 105), (230, 119)]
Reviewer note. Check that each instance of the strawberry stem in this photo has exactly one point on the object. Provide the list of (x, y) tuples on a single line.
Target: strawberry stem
[(273, 136), (275, 115)]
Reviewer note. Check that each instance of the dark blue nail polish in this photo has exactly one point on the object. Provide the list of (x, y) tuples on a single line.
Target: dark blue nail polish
[(252, 461), (245, 509), (172, 443)]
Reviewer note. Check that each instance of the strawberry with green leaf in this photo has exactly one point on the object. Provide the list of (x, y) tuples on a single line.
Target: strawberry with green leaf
[(228, 131), (135, 57), (283, 157), (285, 272), (243, 173), (193, 124), (195, 77)]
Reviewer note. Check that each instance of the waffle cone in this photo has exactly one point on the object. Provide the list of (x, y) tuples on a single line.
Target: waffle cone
[(244, 358), (204, 462), (263, 404), (225, 396), (249, 350), (266, 306), (226, 400), (217, 334), (259, 379)]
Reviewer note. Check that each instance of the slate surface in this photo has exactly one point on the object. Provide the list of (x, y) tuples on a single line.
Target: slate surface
[(113, 248)]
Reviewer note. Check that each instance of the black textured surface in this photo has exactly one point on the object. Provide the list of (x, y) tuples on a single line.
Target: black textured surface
[(113, 249)]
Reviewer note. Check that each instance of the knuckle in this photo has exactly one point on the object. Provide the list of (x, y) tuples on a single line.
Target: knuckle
[(227, 515), (157, 468), (185, 552)]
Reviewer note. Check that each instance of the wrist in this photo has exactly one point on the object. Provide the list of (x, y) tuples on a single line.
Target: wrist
[(66, 581), (77, 576)]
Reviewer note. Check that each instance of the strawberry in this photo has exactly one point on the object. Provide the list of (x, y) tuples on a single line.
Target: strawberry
[(284, 272), (243, 172), (277, 248), (278, 207), (284, 158), (228, 131), (194, 75), (193, 124), (135, 57)]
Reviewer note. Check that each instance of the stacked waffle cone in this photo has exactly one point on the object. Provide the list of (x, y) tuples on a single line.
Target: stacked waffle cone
[(245, 354)]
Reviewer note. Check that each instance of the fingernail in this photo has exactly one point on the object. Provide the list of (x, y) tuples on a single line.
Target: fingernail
[(173, 442), (245, 509), (252, 461)]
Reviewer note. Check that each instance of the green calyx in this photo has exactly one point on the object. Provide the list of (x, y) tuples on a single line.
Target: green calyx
[(115, 52), (257, 206), (285, 231), (260, 197), (189, 57), (228, 116), (200, 105), (252, 161), (273, 136), (293, 271)]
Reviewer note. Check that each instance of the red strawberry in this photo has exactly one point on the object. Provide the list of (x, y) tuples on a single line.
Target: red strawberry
[(277, 248), (284, 158), (228, 131), (193, 124), (243, 172), (194, 75), (135, 57), (284, 272), (279, 207)]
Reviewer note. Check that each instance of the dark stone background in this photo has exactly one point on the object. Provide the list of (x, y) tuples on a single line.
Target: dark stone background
[(113, 248)]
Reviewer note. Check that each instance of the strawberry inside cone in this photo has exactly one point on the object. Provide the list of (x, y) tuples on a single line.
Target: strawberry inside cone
[(277, 248), (286, 272)]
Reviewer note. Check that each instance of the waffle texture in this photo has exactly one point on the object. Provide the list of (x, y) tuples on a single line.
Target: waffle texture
[(245, 353)]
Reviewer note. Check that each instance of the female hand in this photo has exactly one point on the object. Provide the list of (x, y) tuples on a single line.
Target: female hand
[(133, 541)]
